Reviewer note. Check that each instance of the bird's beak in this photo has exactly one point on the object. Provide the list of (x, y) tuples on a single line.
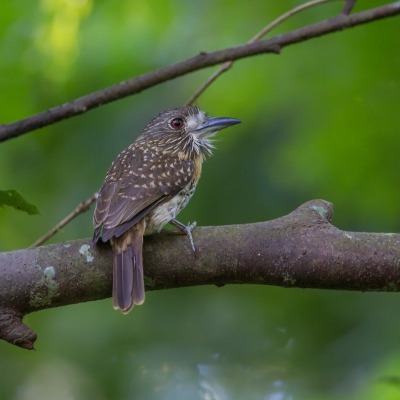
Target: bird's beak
[(213, 125)]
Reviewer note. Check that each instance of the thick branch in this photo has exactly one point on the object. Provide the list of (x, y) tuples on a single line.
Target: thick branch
[(301, 249), (203, 60)]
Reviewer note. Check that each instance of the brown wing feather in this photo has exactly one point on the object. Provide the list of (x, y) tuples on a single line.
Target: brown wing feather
[(134, 185), (120, 229)]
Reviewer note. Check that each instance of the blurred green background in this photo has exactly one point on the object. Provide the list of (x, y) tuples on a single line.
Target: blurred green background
[(321, 120)]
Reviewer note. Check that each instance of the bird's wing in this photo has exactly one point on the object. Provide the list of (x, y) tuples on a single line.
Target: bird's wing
[(134, 185)]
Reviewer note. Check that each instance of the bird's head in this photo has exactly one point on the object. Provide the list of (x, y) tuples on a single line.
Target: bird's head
[(185, 130)]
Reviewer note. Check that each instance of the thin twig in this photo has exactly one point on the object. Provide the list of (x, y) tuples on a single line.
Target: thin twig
[(226, 66), (284, 17), (202, 60), (348, 7), (82, 207)]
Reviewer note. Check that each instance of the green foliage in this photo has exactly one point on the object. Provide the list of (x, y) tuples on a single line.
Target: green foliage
[(320, 120), (15, 199)]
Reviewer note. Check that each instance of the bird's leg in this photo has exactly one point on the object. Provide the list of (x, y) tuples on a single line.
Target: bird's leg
[(185, 229)]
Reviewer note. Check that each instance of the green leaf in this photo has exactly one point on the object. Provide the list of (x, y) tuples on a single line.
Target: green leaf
[(14, 199)]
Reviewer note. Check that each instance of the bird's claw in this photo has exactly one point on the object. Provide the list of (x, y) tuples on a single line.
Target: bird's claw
[(187, 229)]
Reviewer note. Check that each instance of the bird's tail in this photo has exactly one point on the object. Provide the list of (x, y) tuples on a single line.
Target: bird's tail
[(128, 278)]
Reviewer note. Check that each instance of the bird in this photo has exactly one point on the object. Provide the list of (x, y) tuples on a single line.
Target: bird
[(146, 187)]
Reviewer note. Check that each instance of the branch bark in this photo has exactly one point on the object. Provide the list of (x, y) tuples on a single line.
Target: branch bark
[(203, 60), (301, 250)]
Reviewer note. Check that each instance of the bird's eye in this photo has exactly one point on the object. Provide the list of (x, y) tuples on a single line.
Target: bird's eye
[(176, 123)]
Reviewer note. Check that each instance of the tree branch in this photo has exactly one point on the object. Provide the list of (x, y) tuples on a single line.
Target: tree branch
[(349, 4), (228, 65), (79, 209), (203, 60), (301, 250)]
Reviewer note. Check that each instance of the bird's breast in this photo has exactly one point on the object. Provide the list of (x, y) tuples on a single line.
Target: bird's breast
[(198, 163), (169, 210)]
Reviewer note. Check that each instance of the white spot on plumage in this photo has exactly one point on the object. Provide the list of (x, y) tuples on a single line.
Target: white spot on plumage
[(162, 215)]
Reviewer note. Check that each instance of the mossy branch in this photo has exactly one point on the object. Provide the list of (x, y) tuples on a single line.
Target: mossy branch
[(301, 250)]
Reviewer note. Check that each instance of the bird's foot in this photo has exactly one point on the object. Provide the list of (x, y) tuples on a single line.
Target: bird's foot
[(187, 229)]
